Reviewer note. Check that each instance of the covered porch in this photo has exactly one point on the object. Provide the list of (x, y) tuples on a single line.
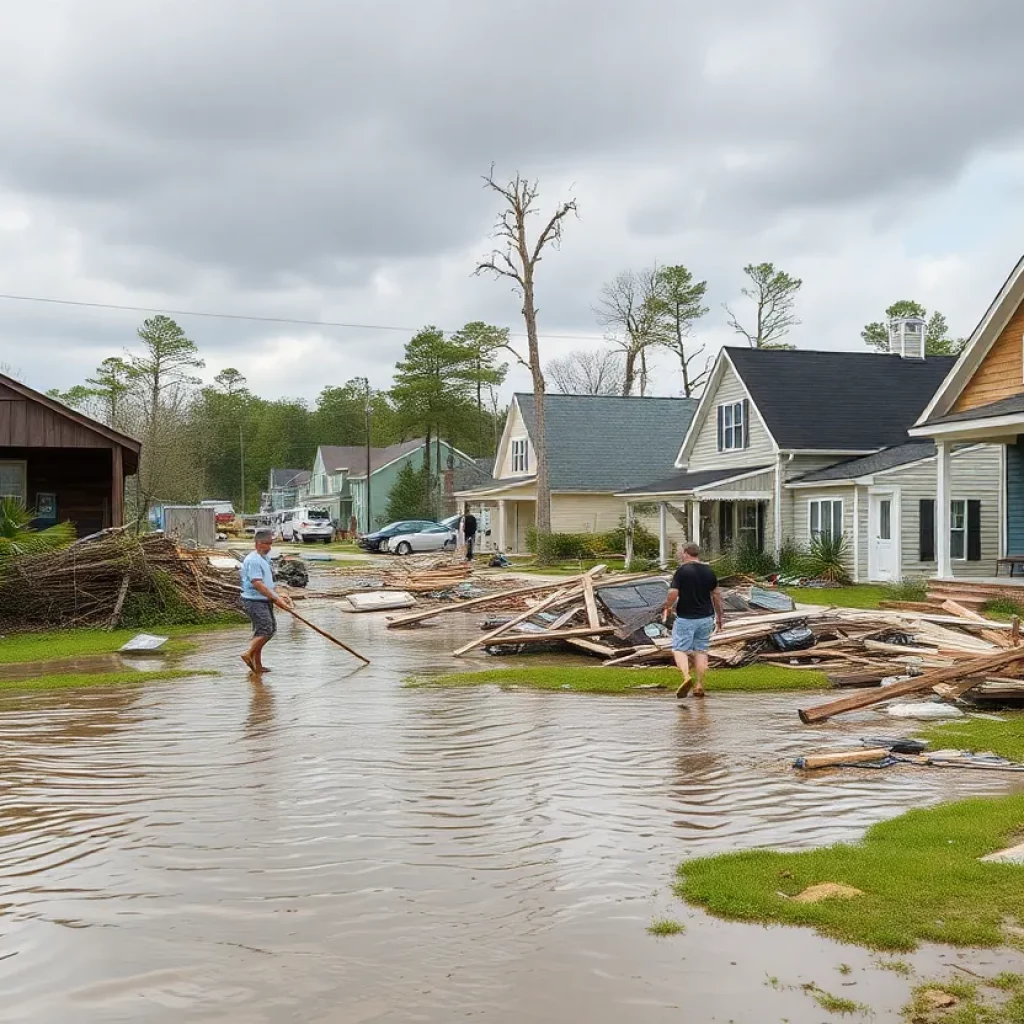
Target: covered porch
[(720, 510), (504, 515)]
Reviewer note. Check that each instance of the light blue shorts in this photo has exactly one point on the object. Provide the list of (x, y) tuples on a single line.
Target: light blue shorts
[(692, 634)]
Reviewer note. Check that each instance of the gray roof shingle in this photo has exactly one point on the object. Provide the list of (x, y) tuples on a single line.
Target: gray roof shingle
[(598, 443), (1004, 407), (838, 400), (888, 458), (353, 457), (682, 482)]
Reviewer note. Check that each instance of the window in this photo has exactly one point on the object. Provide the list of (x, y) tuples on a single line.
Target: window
[(825, 517), (731, 427), (885, 519), (958, 530), (520, 458), (12, 481), (746, 513)]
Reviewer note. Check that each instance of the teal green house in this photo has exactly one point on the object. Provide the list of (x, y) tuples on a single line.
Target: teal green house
[(339, 476)]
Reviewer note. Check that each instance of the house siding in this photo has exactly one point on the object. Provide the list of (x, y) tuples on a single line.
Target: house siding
[(705, 453), (1001, 373), (515, 428), (585, 513), (1015, 498), (792, 469), (974, 474), (800, 519)]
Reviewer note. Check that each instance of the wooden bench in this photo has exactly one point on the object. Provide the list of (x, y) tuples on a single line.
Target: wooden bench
[(1011, 562)]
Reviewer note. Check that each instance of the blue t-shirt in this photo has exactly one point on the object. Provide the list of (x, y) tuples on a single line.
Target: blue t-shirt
[(256, 567)]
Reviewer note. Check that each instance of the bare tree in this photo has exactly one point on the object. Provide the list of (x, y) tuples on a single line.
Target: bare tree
[(588, 371), (682, 302), (773, 293), (629, 307), (516, 259)]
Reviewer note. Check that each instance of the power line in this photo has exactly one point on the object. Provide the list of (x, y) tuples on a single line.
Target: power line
[(260, 319)]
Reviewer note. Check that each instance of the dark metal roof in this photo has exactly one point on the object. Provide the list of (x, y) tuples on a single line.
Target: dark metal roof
[(685, 482), (1004, 407), (598, 443), (289, 477), (845, 401), (888, 458)]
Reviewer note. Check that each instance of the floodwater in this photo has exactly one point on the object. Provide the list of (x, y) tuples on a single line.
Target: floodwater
[(333, 847)]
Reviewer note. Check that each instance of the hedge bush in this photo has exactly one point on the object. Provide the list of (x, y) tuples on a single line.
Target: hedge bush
[(561, 547)]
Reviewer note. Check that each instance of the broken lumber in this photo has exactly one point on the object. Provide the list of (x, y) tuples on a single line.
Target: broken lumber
[(956, 673), (547, 635), (593, 619), (857, 680), (506, 626), (847, 757)]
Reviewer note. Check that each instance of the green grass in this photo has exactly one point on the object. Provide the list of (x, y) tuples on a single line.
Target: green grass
[(833, 1004), (920, 875), (598, 679), (981, 734), (16, 648), (75, 680), (858, 595), (900, 967), (663, 927), (1003, 608), (974, 1004)]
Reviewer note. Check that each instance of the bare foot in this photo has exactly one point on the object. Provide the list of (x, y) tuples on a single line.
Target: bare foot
[(699, 692), (247, 658), (684, 689)]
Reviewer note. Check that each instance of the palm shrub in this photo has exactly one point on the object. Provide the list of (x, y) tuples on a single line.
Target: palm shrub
[(826, 558), (17, 537)]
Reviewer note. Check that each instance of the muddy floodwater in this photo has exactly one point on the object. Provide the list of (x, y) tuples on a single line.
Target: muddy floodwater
[(331, 846)]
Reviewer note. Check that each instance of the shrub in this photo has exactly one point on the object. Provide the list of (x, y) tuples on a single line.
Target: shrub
[(560, 547), (1004, 606), (645, 543), (826, 559), (792, 559), (907, 589), (751, 562)]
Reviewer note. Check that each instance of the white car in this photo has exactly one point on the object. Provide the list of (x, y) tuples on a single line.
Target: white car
[(431, 538), (304, 525)]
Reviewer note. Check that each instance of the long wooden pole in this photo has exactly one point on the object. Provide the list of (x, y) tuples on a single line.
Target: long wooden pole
[(506, 626), (324, 633)]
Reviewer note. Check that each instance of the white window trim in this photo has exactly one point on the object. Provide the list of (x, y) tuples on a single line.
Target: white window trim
[(831, 501), (524, 468), (23, 465), (952, 501), (737, 408)]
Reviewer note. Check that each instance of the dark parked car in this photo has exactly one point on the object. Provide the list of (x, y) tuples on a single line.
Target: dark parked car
[(373, 541)]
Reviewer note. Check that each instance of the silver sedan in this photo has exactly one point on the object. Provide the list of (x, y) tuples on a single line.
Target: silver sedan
[(430, 538)]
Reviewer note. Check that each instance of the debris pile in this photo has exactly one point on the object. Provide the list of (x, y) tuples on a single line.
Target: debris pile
[(88, 583)]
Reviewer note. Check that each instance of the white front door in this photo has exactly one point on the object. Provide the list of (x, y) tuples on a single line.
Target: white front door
[(884, 536)]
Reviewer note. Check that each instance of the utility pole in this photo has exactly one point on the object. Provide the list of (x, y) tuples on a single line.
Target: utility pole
[(241, 460), (369, 414)]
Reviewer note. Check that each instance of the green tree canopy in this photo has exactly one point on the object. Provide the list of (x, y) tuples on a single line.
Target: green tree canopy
[(937, 339)]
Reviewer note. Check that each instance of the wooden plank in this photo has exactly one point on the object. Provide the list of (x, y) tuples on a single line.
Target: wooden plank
[(641, 654), (971, 667), (548, 634), (593, 619), (961, 612), (505, 626), (566, 617), (593, 647)]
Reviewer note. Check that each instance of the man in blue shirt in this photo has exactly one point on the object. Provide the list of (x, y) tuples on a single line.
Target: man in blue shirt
[(259, 598)]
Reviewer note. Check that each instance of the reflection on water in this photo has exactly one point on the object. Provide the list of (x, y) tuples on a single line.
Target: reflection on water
[(326, 845)]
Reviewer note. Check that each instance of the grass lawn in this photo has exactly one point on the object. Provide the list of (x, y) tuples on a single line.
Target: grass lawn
[(16, 648), (598, 679), (74, 680), (919, 873), (980, 735), (859, 595)]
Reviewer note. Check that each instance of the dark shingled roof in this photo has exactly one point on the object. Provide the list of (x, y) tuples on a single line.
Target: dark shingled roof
[(1004, 407), (838, 400), (888, 458), (684, 482), (353, 457), (597, 443)]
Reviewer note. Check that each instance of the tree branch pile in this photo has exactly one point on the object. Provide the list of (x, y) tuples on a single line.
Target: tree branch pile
[(94, 581)]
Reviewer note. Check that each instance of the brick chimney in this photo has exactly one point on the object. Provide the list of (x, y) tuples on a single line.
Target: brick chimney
[(906, 337)]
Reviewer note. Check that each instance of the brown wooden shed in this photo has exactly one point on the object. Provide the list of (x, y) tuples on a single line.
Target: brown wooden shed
[(61, 464)]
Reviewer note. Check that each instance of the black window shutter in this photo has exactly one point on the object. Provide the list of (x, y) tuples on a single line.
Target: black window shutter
[(761, 510), (721, 427), (926, 508), (974, 531), (746, 422)]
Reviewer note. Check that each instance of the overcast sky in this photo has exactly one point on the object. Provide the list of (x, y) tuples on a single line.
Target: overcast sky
[(321, 159)]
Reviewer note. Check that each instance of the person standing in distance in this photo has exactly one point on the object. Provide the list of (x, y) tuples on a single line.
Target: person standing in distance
[(259, 599), (698, 606), (469, 532)]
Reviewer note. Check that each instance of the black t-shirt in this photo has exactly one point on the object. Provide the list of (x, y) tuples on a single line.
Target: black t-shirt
[(469, 525), (695, 582)]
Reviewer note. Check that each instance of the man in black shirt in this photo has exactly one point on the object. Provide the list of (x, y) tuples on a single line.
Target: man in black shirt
[(469, 532), (698, 606)]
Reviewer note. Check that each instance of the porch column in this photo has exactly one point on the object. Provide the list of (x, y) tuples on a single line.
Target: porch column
[(663, 535), (942, 499), (695, 521), (502, 525), (117, 486), (630, 521)]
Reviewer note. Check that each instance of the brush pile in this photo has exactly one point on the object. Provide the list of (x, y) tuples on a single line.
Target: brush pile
[(93, 581)]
